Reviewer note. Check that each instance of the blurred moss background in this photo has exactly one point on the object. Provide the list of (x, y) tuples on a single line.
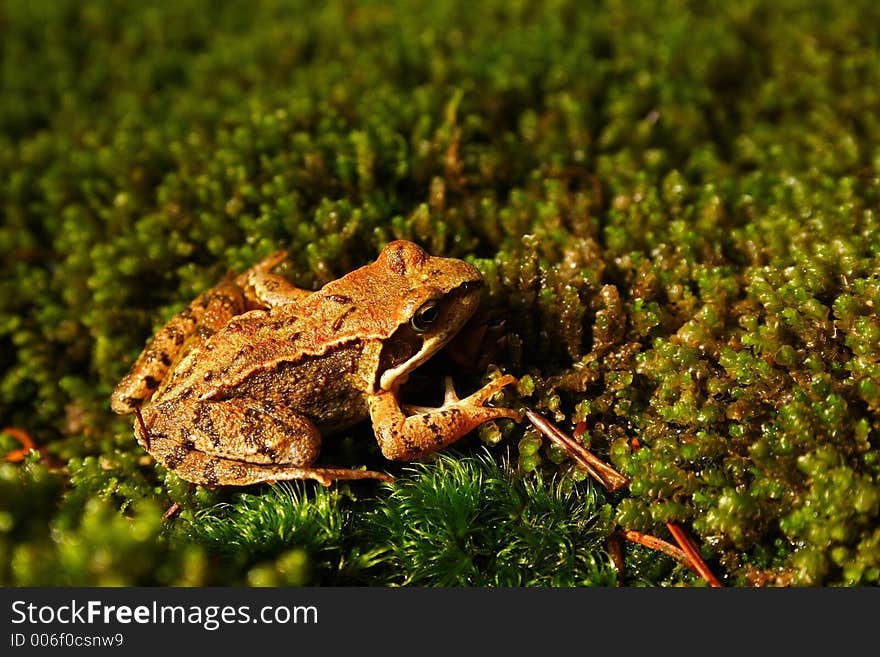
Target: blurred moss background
[(675, 205)]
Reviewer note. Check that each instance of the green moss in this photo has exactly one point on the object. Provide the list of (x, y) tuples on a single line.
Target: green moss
[(254, 533), (473, 523), (674, 206)]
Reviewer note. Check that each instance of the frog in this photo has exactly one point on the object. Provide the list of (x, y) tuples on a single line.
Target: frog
[(243, 384)]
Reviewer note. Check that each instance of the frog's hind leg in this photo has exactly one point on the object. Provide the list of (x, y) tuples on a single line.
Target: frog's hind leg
[(183, 332), (256, 288), (237, 442), (263, 289)]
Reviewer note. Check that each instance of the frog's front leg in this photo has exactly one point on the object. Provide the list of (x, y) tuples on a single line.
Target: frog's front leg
[(405, 438), (237, 442)]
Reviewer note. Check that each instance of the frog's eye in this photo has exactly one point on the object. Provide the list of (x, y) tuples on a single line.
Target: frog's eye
[(426, 315)]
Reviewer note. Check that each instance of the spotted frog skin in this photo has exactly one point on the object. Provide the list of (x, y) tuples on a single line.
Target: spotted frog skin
[(240, 386)]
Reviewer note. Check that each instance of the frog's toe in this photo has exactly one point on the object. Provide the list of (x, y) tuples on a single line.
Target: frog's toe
[(449, 396), (487, 391)]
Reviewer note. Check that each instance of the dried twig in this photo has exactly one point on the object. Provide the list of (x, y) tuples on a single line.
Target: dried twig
[(693, 554), (610, 478), (689, 556), (688, 553), (657, 544), (615, 549), (27, 444)]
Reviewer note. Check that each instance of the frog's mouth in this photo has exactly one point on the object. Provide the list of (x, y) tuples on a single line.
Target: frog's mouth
[(406, 349)]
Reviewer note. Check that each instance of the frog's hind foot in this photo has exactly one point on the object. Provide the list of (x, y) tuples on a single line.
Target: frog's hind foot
[(326, 476), (200, 468)]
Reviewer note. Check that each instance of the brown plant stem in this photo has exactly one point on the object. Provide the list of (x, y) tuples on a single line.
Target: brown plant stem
[(610, 478), (27, 444), (657, 544), (693, 554)]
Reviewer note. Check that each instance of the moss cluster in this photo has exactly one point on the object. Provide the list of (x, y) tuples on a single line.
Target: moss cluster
[(676, 207)]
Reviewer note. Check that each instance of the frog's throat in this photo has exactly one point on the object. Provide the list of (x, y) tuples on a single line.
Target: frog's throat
[(397, 375)]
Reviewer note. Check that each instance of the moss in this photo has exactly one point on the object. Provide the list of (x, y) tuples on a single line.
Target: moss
[(674, 206), (473, 523)]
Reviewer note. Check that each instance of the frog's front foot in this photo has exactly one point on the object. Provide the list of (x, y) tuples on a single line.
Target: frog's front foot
[(407, 437)]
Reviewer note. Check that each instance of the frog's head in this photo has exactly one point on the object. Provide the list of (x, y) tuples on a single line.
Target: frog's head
[(441, 295)]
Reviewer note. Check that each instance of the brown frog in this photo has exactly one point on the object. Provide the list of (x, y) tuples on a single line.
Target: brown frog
[(243, 383)]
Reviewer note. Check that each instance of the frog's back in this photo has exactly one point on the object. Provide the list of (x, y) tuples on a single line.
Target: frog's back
[(263, 341), (363, 308)]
